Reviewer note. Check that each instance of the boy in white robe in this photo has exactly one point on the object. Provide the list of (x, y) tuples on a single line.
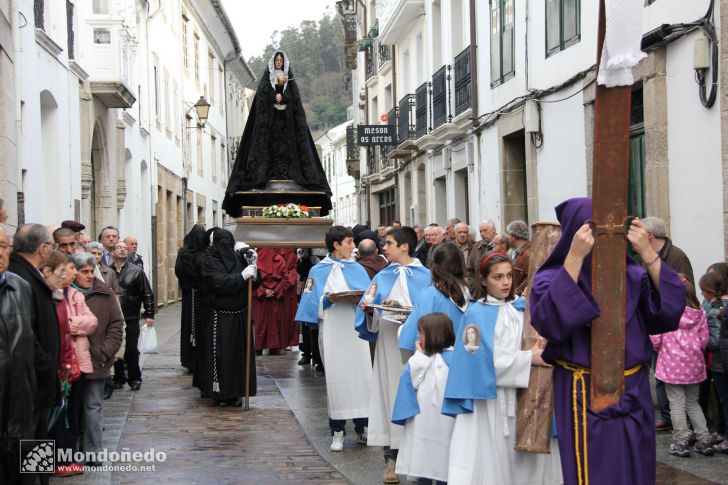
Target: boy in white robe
[(401, 281), (346, 357)]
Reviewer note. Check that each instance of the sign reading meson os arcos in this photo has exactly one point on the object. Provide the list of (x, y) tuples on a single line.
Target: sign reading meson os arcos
[(369, 135)]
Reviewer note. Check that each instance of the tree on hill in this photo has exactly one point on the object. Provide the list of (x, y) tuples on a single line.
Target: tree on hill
[(318, 63)]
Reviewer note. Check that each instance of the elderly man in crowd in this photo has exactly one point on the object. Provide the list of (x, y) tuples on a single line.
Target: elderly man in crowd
[(108, 237), (132, 245), (31, 248), (18, 384), (450, 228), (74, 226), (519, 235), (485, 245), (437, 236), (370, 258), (135, 291), (668, 252), (422, 246), (462, 239), (65, 240)]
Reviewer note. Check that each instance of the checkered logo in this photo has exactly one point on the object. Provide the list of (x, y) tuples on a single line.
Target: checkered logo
[(37, 456)]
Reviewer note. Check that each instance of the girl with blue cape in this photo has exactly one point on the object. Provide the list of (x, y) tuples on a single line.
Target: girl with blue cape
[(488, 367), (346, 358), (426, 442), (448, 293), (399, 282)]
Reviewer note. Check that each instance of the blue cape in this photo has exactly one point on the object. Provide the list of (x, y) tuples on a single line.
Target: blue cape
[(385, 279), (354, 274), (428, 301), (405, 404), (472, 373)]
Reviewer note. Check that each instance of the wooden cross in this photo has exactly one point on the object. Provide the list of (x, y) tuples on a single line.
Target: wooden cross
[(609, 263)]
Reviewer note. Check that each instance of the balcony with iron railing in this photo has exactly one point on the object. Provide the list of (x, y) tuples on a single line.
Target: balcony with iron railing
[(352, 153), (422, 97), (406, 119), (392, 120), (385, 54), (370, 65), (462, 82), (441, 95)]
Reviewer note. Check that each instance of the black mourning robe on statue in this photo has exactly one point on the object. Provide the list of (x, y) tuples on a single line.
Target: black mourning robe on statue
[(224, 334), (186, 269), (277, 145)]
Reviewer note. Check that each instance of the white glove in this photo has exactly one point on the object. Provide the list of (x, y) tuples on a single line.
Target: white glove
[(240, 245), (249, 272)]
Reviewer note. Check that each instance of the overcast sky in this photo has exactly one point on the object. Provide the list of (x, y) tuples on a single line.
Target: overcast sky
[(255, 21)]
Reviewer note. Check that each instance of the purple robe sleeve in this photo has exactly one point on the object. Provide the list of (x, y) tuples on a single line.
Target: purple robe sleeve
[(661, 309), (559, 307)]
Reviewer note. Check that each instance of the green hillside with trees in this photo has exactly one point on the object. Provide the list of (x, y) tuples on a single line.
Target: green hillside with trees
[(316, 52)]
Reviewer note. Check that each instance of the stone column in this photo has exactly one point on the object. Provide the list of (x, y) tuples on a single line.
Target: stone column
[(723, 83), (654, 93)]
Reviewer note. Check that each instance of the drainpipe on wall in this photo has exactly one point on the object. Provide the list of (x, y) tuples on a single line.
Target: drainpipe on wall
[(14, 15), (474, 65)]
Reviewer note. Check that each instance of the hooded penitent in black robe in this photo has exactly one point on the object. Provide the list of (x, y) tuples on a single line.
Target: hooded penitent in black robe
[(187, 271), (224, 335), (277, 145)]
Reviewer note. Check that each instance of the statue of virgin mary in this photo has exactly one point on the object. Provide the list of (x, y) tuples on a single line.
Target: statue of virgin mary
[(277, 146)]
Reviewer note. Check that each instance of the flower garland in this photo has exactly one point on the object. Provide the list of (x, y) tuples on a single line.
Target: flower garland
[(286, 211)]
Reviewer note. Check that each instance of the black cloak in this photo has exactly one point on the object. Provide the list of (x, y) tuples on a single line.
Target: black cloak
[(277, 145)]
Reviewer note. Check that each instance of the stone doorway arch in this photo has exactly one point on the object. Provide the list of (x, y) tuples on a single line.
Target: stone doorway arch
[(96, 199)]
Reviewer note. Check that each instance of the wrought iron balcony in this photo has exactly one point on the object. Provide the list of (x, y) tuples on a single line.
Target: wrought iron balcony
[(373, 157), (406, 119), (352, 152), (385, 53), (441, 94), (392, 120), (462, 81), (371, 62), (422, 96)]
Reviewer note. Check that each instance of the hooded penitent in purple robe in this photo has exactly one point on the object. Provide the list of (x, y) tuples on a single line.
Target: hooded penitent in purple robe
[(621, 438)]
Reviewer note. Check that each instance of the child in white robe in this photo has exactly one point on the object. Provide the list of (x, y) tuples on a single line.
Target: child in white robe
[(424, 449), (482, 445)]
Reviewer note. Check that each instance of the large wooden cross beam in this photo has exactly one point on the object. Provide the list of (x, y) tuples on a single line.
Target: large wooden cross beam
[(609, 194)]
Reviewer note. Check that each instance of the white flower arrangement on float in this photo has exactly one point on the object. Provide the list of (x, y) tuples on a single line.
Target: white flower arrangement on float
[(286, 211)]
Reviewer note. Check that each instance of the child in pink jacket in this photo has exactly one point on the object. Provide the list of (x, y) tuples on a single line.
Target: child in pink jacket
[(681, 366)]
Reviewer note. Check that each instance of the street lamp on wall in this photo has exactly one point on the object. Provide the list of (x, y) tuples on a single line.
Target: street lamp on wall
[(202, 107)]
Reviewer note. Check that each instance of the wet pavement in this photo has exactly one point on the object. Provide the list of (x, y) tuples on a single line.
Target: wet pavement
[(283, 438)]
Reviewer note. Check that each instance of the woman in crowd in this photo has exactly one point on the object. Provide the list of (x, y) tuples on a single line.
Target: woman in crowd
[(103, 345), (55, 272)]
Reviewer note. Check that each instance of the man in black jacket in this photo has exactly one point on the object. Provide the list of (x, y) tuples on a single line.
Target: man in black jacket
[(31, 247), (17, 372), (135, 291)]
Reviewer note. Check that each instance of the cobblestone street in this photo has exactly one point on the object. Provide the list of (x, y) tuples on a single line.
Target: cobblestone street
[(284, 437)]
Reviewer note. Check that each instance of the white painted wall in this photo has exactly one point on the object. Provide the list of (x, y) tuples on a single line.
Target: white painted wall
[(51, 181), (694, 150), (562, 158), (343, 186)]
